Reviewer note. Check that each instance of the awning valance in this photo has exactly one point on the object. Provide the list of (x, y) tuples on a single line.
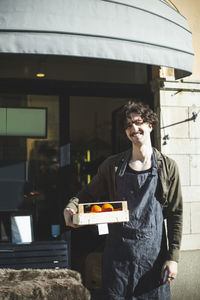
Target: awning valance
[(149, 31)]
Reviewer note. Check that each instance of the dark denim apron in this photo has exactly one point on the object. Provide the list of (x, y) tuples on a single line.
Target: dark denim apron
[(135, 250)]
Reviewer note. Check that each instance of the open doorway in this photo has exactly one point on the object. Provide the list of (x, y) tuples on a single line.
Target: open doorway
[(91, 139), (91, 136)]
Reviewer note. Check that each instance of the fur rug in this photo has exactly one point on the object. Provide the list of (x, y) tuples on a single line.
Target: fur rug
[(41, 284)]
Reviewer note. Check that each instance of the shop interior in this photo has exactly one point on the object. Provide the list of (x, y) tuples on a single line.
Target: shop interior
[(31, 163)]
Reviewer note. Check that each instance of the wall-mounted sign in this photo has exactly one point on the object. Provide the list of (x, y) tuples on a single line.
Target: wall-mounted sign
[(21, 229), (27, 122)]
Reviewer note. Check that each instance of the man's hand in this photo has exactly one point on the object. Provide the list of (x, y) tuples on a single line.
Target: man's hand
[(171, 267), (68, 214)]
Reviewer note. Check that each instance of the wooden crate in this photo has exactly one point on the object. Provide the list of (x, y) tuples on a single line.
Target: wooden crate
[(85, 217)]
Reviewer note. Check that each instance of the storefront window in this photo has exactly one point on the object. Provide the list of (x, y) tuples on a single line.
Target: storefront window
[(33, 162)]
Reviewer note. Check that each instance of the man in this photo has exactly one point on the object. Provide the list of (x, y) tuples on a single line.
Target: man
[(139, 261)]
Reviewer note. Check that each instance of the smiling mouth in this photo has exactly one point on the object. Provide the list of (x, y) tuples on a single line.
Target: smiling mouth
[(135, 134)]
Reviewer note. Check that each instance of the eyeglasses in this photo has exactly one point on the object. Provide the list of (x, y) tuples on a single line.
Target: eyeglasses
[(130, 123)]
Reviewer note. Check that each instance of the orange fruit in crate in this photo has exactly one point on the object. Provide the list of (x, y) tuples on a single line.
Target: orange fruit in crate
[(95, 208), (107, 207)]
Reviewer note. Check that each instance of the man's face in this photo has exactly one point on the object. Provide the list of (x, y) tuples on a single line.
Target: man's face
[(137, 131)]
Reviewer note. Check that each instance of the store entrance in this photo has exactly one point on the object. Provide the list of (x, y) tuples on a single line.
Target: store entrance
[(82, 130), (91, 135), (92, 121)]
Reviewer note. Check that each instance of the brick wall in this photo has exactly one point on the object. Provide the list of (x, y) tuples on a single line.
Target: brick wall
[(178, 100)]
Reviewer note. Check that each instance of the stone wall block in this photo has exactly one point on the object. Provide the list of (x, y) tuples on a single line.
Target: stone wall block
[(195, 169), (186, 218), (181, 99), (195, 217), (182, 146), (194, 126), (191, 193), (172, 115), (184, 168), (190, 242)]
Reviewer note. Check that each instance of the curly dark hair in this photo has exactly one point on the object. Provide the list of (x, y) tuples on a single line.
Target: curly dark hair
[(139, 108)]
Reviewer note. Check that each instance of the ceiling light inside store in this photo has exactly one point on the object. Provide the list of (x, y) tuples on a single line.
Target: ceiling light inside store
[(41, 72), (40, 75)]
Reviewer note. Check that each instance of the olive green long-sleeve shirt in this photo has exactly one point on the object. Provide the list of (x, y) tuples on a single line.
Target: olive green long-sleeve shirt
[(168, 193)]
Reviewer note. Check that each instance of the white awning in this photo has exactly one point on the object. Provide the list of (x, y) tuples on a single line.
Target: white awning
[(149, 31)]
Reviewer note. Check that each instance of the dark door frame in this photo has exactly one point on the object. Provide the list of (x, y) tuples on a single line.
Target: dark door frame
[(72, 88)]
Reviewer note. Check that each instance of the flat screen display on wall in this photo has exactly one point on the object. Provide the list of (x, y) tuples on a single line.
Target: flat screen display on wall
[(27, 122)]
